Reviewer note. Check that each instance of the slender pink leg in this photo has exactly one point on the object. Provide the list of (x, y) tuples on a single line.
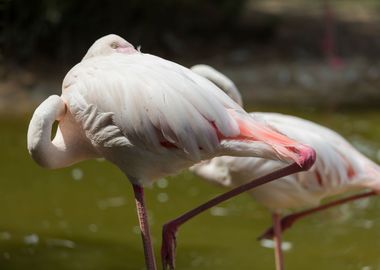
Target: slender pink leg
[(277, 241), (288, 220), (150, 260), (329, 45), (170, 228)]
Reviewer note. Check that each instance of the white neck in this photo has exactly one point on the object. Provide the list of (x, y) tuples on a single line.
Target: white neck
[(220, 80), (68, 146)]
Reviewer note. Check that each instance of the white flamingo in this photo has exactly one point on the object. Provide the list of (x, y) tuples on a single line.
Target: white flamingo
[(151, 118), (338, 168)]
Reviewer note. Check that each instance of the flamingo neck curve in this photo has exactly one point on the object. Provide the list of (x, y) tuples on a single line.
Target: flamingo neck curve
[(67, 146)]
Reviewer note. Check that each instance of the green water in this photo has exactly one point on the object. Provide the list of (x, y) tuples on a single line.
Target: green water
[(83, 217)]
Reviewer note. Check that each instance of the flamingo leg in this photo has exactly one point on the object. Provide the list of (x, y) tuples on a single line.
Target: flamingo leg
[(170, 228), (329, 45), (150, 260), (287, 221), (276, 218)]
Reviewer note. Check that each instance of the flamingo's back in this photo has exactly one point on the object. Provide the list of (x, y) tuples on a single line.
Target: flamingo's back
[(138, 109), (339, 167)]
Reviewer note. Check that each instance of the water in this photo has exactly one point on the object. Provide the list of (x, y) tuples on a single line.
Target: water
[(83, 217)]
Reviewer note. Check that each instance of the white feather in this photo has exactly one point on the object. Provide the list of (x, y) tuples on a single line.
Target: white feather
[(335, 159)]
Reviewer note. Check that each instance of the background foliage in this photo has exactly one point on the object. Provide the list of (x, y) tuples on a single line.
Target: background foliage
[(64, 28)]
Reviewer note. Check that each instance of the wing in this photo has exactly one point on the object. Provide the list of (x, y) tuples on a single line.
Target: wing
[(149, 108), (157, 103), (99, 127)]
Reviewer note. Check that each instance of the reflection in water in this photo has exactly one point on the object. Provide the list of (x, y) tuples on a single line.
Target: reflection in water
[(362, 204), (49, 221), (364, 223)]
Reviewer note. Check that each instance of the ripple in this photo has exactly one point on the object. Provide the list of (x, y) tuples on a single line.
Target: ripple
[(268, 243), (31, 239), (136, 230), (63, 224), (111, 202), (362, 204), (5, 235), (196, 260), (219, 211), (58, 212), (162, 197), (162, 183), (45, 224), (6, 256), (60, 243), (93, 228), (193, 191), (77, 174), (365, 223)]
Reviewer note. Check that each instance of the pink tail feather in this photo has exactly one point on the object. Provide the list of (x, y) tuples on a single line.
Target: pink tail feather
[(253, 130)]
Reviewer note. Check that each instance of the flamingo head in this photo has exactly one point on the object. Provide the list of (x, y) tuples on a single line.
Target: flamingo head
[(108, 45)]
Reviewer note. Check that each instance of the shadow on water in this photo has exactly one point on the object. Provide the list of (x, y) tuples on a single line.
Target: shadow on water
[(83, 217)]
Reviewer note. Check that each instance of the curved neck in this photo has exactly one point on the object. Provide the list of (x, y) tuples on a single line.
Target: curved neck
[(64, 150), (220, 80)]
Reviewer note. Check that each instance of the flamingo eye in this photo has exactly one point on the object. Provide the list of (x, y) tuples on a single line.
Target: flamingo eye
[(114, 45)]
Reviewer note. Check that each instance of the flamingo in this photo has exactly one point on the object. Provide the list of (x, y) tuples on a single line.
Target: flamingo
[(339, 167), (151, 118), (329, 38)]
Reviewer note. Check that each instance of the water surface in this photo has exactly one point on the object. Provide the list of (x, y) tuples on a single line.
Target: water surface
[(83, 217)]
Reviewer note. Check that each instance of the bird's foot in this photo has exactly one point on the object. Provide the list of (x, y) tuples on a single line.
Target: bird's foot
[(168, 247), (286, 223)]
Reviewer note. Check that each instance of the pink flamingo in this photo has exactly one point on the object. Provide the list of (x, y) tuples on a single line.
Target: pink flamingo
[(151, 118), (329, 40), (338, 168)]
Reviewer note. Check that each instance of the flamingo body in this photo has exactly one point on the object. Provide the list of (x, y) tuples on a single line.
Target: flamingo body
[(123, 107), (150, 117), (338, 168)]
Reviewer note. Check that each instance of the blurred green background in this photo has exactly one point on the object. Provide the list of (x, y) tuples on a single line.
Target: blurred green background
[(316, 59)]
